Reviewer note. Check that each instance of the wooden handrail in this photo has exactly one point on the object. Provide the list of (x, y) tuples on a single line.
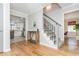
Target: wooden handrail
[(51, 19)]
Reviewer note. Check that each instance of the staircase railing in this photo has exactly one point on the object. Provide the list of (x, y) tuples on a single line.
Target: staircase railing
[(52, 19), (49, 28)]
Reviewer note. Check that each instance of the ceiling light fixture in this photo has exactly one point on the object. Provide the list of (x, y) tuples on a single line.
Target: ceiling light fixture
[(49, 7)]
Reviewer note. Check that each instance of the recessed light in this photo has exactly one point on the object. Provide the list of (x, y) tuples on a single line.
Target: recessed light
[(49, 7)]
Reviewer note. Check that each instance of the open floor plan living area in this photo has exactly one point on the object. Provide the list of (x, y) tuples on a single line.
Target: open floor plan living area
[(39, 29)]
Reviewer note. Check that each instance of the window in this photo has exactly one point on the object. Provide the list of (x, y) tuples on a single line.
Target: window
[(71, 28)]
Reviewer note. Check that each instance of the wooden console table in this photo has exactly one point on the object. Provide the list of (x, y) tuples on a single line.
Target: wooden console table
[(33, 36)]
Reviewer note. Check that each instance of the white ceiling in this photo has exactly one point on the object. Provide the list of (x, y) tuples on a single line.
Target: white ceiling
[(27, 8), (33, 7), (72, 15), (64, 5), (69, 7), (30, 8)]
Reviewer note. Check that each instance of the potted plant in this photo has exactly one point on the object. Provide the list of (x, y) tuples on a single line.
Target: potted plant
[(76, 27)]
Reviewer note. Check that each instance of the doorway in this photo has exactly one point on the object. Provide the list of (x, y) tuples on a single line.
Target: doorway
[(70, 33), (17, 28)]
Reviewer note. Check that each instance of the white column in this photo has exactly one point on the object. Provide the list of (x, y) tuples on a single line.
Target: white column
[(6, 29), (26, 27), (1, 27)]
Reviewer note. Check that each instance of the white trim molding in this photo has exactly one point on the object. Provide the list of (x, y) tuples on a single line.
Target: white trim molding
[(6, 50)]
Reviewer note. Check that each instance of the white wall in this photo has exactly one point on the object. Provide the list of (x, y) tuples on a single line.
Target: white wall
[(1, 27), (6, 29), (38, 18), (17, 13), (57, 15)]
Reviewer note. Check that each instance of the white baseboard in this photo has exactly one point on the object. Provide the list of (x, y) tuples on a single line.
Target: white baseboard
[(6, 50)]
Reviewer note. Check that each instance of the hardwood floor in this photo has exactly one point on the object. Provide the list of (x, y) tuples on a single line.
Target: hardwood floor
[(24, 48)]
